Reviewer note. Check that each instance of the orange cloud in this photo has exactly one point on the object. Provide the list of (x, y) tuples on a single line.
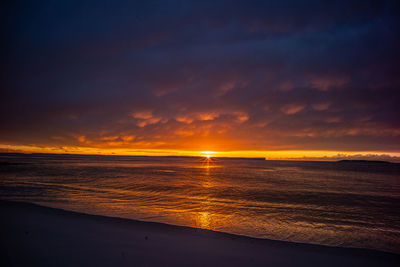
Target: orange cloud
[(292, 109), (82, 139), (184, 132), (242, 116), (128, 138), (145, 118), (184, 119), (207, 116), (109, 138)]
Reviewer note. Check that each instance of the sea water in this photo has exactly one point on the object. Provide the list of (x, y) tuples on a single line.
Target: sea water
[(350, 204)]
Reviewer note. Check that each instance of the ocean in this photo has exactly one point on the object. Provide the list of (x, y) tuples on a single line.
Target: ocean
[(348, 204)]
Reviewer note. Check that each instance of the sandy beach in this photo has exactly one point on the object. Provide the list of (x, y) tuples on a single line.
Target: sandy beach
[(33, 235)]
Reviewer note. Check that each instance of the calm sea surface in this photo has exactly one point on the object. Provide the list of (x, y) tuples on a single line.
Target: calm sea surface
[(340, 204)]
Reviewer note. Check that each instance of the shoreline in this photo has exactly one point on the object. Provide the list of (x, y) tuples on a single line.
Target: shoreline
[(37, 235)]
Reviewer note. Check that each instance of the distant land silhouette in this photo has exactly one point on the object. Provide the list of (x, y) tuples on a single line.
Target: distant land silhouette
[(364, 161)]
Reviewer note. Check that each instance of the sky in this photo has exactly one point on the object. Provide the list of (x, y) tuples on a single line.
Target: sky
[(243, 78)]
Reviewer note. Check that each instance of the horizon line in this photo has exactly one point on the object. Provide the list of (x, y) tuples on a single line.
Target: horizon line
[(286, 155), (185, 156)]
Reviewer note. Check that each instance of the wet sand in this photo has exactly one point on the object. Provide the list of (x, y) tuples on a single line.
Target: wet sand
[(33, 235)]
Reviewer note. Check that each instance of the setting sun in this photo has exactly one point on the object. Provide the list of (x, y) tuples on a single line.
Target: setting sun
[(208, 154)]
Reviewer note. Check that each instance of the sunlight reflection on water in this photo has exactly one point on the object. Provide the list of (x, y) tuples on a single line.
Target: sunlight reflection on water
[(315, 202)]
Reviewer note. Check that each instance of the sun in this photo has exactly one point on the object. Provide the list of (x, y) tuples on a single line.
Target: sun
[(208, 159), (207, 154)]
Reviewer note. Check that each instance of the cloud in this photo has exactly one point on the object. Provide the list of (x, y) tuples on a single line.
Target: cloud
[(145, 118), (326, 83), (321, 106), (207, 116), (184, 119), (144, 115), (242, 116), (338, 157), (291, 109), (232, 75)]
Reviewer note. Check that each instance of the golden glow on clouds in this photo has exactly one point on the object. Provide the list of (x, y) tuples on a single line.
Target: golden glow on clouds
[(269, 155)]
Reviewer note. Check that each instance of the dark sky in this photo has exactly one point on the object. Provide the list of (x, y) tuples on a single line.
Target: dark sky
[(202, 75)]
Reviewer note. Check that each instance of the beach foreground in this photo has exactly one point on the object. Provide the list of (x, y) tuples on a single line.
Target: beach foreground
[(42, 236)]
